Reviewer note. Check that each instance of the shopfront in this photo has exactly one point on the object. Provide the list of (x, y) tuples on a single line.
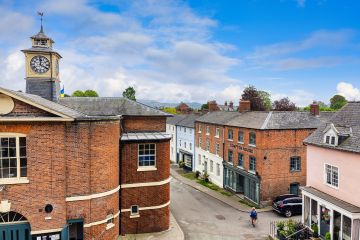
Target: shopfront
[(240, 181), (331, 216), (187, 158)]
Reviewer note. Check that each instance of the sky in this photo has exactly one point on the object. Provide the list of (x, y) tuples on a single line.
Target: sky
[(195, 50)]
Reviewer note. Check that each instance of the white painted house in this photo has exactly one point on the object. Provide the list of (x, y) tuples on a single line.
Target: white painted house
[(171, 129)]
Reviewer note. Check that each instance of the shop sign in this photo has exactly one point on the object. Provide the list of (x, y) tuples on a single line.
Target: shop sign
[(239, 147)]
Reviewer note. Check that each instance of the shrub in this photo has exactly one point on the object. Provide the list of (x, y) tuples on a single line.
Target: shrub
[(315, 229), (206, 177), (197, 174), (280, 225), (181, 164), (328, 236)]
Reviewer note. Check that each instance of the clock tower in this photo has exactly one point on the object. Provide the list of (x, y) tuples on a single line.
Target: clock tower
[(42, 67)]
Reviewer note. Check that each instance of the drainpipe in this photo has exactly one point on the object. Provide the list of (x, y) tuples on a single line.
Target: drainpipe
[(120, 176)]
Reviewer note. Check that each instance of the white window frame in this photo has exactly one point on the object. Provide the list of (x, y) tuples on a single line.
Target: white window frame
[(207, 130), (240, 131), (325, 176), (217, 132), (18, 179), (199, 159), (146, 168), (251, 144), (200, 141), (134, 214), (208, 145), (217, 149), (211, 166), (217, 169)]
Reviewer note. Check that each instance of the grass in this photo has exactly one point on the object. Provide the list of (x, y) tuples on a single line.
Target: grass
[(248, 203), (192, 176)]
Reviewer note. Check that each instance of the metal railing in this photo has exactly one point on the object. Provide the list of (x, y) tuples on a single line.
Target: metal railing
[(301, 234)]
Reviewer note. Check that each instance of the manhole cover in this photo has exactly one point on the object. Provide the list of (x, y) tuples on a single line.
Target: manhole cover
[(220, 217)]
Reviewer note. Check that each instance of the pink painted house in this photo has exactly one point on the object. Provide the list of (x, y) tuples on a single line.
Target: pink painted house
[(331, 198)]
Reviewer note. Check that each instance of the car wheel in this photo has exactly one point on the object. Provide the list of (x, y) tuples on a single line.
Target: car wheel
[(288, 213)]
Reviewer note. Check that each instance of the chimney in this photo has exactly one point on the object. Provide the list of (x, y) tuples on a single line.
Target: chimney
[(231, 105), (212, 105), (314, 109), (244, 106)]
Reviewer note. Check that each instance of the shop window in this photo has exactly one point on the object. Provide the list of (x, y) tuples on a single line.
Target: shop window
[(346, 228)]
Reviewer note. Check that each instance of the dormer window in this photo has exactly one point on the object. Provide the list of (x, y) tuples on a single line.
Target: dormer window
[(331, 135), (330, 139)]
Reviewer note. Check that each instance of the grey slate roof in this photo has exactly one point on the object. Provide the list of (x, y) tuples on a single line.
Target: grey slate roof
[(188, 121), (46, 103), (218, 117), (109, 106), (175, 119), (145, 136), (347, 122), (267, 120), (337, 202)]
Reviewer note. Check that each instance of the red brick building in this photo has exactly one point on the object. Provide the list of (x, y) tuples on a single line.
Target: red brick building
[(78, 168), (262, 153)]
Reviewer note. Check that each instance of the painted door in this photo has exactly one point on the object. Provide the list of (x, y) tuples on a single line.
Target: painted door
[(18, 231)]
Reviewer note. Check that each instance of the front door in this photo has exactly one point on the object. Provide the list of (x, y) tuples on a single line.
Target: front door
[(17, 231), (240, 183), (76, 229)]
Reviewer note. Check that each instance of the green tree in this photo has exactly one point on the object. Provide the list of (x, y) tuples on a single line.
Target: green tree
[(87, 93), (337, 102), (91, 93), (205, 106), (129, 93), (265, 97), (78, 93), (252, 94), (170, 110)]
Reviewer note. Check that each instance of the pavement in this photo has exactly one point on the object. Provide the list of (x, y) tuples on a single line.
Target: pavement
[(174, 233), (202, 217), (232, 201)]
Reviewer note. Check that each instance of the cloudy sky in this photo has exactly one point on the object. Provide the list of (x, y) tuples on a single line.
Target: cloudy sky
[(194, 50)]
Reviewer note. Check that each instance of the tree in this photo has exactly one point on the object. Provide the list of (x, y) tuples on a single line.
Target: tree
[(87, 93), (90, 93), (284, 104), (337, 102), (129, 93), (252, 94), (265, 97), (205, 106), (170, 110)]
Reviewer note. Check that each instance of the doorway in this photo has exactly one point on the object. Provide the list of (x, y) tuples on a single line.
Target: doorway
[(76, 229), (14, 226)]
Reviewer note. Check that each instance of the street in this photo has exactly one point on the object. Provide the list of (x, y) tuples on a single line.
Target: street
[(203, 217)]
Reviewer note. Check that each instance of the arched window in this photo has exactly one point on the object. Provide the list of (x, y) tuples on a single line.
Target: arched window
[(10, 217)]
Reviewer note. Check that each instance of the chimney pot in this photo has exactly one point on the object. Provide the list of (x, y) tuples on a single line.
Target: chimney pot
[(315, 109)]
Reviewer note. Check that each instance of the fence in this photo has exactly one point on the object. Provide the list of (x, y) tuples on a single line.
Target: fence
[(301, 232)]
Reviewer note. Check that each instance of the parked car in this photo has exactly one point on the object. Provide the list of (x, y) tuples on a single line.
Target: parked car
[(288, 205)]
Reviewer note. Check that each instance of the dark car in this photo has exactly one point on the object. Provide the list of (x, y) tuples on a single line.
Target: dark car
[(288, 205)]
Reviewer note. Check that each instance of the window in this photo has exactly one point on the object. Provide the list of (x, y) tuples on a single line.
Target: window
[(211, 165), (184, 144), (207, 145), (332, 140), (252, 164), (184, 129), (207, 130), (217, 149), (190, 130), (217, 132), (231, 156), (147, 155), (13, 162), (327, 140), (199, 159), (200, 128), (332, 175), (230, 134), (200, 142), (252, 138), (134, 210), (190, 145), (217, 169), (180, 142), (241, 137), (240, 160), (295, 164)]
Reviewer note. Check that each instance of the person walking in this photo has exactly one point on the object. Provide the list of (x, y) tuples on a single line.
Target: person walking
[(253, 216)]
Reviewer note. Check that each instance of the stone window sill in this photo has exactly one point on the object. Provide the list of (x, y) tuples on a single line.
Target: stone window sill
[(145, 169), (252, 145), (109, 226), (135, 216), (252, 172), (9, 181)]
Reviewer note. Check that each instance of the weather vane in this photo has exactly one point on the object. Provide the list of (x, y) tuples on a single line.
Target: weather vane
[(41, 14)]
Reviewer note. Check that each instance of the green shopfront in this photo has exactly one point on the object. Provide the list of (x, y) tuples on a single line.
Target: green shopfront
[(240, 181)]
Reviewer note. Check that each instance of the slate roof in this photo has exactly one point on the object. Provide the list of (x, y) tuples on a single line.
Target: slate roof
[(188, 121), (217, 117), (88, 108), (347, 122), (337, 202), (145, 136), (110, 106), (175, 119), (267, 119)]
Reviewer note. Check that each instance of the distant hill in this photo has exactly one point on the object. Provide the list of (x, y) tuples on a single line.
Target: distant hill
[(157, 104)]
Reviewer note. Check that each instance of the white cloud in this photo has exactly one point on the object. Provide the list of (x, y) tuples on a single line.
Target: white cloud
[(301, 3), (347, 90)]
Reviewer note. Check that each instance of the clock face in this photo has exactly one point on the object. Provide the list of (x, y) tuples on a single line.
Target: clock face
[(40, 64)]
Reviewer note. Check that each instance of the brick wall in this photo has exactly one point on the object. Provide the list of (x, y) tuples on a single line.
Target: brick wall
[(149, 220), (23, 109), (144, 124)]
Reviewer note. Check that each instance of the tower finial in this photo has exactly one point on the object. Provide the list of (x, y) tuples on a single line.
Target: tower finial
[(41, 14)]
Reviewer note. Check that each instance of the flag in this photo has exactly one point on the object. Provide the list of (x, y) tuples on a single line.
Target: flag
[(62, 92)]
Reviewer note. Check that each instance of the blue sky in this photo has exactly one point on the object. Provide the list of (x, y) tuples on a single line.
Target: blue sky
[(194, 50)]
